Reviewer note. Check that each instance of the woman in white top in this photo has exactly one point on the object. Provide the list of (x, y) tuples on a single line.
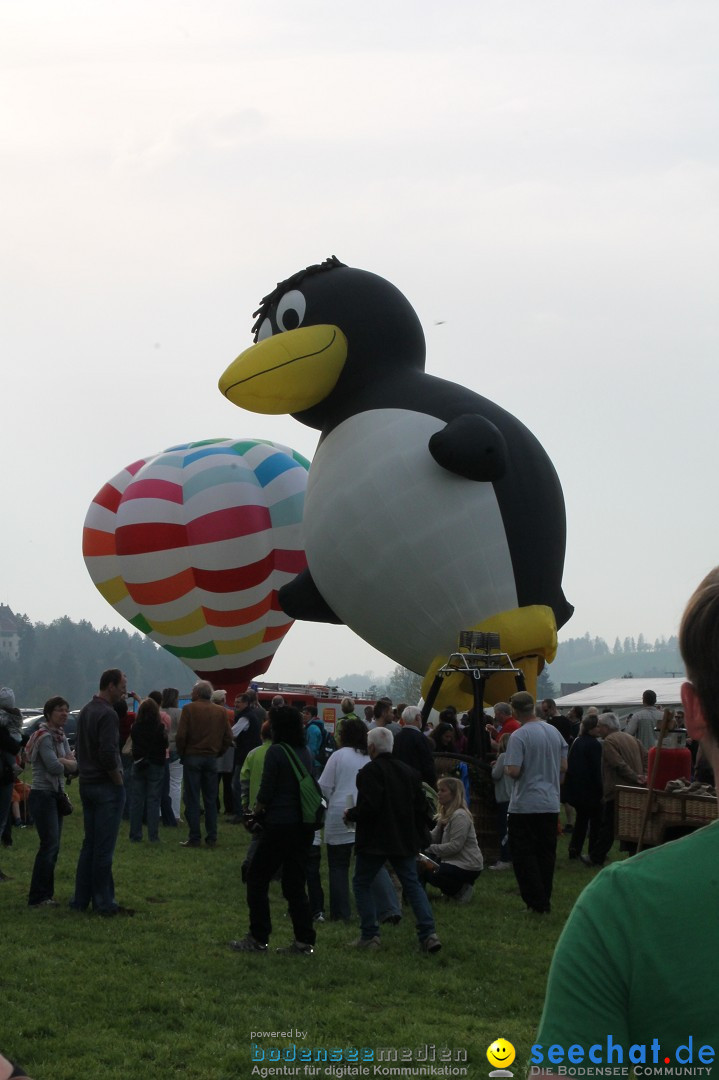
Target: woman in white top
[(339, 786)]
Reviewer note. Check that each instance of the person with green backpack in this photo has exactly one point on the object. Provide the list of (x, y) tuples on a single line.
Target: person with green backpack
[(285, 815)]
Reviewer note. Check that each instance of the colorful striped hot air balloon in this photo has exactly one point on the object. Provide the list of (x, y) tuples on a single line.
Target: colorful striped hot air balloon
[(192, 545)]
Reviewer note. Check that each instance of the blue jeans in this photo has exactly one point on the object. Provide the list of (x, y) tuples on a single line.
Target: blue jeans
[(339, 857), (146, 786), (102, 813), (43, 808), (200, 775), (366, 869)]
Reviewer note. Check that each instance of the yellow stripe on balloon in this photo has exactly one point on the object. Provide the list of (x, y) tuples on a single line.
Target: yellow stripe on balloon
[(188, 624), (114, 590), (239, 645)]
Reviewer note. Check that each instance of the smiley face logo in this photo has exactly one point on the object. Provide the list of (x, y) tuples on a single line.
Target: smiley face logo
[(500, 1054)]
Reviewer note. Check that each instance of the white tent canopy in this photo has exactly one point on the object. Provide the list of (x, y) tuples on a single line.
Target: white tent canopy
[(622, 694)]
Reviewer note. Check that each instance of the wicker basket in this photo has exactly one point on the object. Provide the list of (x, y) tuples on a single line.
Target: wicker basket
[(686, 812)]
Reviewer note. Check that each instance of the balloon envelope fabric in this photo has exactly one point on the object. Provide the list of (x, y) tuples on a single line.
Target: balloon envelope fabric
[(191, 546)]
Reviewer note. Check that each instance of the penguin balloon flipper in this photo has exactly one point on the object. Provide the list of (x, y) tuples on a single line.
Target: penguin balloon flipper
[(470, 446), (301, 599)]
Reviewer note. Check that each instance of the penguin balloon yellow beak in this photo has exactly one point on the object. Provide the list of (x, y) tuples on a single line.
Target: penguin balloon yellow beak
[(288, 372)]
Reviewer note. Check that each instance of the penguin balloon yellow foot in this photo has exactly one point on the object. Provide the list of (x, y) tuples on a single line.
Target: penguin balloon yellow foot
[(528, 636), (422, 495)]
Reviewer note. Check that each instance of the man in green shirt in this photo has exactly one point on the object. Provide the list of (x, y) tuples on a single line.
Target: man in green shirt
[(634, 981)]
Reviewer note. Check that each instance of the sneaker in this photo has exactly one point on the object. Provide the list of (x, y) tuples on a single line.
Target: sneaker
[(319, 917), (370, 943), (430, 944), (248, 944), (45, 903), (499, 865), (297, 948), (190, 843), (391, 920), (465, 894)]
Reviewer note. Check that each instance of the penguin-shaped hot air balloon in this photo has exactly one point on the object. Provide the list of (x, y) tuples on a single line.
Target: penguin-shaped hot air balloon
[(423, 497)]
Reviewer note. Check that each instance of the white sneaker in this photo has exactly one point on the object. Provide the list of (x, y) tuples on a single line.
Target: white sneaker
[(500, 866)]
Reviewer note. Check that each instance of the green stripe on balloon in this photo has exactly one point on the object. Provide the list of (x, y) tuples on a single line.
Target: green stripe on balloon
[(193, 652)]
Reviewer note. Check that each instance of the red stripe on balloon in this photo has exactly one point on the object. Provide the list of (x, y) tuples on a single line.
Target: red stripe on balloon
[(108, 497), (95, 542), (154, 489), (290, 562), (242, 616), (235, 680), (136, 466), (163, 591), (272, 633), (227, 524)]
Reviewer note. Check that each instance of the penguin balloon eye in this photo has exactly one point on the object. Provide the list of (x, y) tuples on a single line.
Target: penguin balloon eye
[(291, 310), (265, 330)]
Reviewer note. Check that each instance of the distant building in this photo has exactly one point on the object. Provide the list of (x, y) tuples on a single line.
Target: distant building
[(9, 636)]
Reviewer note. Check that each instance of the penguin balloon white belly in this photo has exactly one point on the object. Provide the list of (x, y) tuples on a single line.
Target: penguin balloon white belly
[(404, 536)]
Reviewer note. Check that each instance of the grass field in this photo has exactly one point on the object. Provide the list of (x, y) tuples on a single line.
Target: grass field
[(160, 994)]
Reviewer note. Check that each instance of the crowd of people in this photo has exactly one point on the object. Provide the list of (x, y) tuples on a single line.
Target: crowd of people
[(135, 756)]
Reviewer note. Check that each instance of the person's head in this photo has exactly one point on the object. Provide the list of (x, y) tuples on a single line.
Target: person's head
[(449, 716), (353, 733), (277, 702), (7, 698), (309, 713), (451, 797), (412, 716), (347, 705), (369, 713), (251, 696), (523, 706), (242, 701), (156, 696), (266, 731), (380, 740), (383, 712), (549, 707), (576, 712), (170, 697), (443, 737), (698, 644), (502, 712), (606, 723), (589, 725), (218, 697), (201, 691), (649, 698), (113, 685), (286, 725), (55, 711), (148, 710)]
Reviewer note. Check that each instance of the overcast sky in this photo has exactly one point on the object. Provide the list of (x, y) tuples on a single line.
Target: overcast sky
[(541, 178)]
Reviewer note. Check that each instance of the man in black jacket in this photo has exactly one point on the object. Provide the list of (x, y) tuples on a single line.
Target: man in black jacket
[(414, 748), (391, 819)]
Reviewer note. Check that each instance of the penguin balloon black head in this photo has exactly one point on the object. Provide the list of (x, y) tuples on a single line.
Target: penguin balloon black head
[(320, 336)]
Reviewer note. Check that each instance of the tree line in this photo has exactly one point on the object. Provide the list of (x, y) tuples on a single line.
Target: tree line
[(67, 658)]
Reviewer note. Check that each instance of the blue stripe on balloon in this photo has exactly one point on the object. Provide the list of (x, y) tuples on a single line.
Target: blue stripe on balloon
[(215, 475), (288, 511), (272, 467)]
